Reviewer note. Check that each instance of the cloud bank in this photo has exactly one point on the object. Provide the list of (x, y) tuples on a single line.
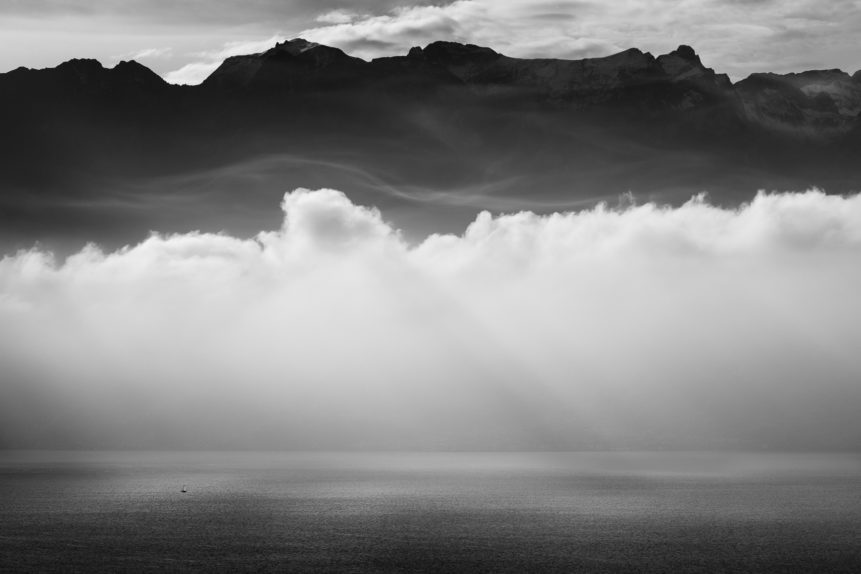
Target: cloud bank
[(644, 326)]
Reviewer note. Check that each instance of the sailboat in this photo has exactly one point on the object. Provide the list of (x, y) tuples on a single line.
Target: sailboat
[(183, 489)]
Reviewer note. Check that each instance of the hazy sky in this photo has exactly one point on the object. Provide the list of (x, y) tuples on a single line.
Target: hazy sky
[(684, 327), (184, 40)]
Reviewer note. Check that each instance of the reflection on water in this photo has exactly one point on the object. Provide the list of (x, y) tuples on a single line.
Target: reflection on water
[(430, 512)]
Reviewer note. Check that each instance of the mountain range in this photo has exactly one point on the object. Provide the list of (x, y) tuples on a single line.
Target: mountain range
[(108, 154)]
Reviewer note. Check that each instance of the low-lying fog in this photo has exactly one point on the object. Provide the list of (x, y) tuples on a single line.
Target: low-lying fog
[(642, 327)]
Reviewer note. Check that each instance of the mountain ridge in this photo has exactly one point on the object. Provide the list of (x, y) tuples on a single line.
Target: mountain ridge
[(431, 135), (472, 63), (297, 46), (813, 103)]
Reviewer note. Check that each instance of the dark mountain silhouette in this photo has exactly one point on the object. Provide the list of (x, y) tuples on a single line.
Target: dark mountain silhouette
[(97, 154)]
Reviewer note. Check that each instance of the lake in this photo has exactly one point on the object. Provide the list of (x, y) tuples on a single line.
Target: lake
[(430, 512)]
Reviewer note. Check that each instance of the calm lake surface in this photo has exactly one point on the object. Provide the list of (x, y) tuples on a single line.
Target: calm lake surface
[(473, 512)]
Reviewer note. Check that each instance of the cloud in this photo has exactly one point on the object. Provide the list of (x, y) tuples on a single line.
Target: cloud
[(149, 53), (651, 326), (194, 12), (192, 74), (394, 33), (340, 16)]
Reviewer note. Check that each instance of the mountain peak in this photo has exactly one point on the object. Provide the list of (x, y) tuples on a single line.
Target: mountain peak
[(81, 66), (299, 49), (295, 46), (683, 64), (683, 58), (136, 73), (452, 52), (686, 53), (81, 71), (287, 65)]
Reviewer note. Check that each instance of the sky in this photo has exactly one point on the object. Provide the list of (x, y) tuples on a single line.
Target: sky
[(631, 327), (185, 41)]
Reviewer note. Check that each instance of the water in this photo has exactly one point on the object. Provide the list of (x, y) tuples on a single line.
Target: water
[(590, 512)]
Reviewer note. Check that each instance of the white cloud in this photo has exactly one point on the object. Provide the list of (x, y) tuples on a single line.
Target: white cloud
[(394, 33), (148, 53), (652, 325), (337, 17), (193, 73)]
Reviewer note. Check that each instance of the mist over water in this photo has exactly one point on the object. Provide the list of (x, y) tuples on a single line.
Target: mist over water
[(639, 327)]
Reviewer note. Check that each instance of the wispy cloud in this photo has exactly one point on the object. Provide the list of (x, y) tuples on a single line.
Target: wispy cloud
[(147, 53), (645, 325), (340, 16)]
